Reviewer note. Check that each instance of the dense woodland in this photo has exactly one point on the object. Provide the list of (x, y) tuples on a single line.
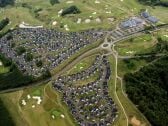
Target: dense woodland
[(5, 118), (163, 3), (4, 3), (148, 89)]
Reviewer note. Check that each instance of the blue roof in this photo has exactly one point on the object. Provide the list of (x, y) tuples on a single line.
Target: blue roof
[(152, 19), (145, 14), (132, 22)]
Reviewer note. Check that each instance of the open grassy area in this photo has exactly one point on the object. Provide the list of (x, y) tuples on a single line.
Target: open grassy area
[(40, 114), (162, 33), (40, 12), (139, 45), (121, 120), (82, 65), (3, 69), (130, 65)]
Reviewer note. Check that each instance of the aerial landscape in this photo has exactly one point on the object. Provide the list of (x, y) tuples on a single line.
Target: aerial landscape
[(83, 62)]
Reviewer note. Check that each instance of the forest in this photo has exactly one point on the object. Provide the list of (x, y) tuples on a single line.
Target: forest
[(148, 89), (163, 3), (4, 3)]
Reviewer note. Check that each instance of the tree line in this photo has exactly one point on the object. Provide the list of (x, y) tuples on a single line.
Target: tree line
[(3, 23), (148, 89), (4, 3), (154, 2)]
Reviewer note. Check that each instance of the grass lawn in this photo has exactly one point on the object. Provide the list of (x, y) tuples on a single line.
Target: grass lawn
[(116, 9), (139, 45), (3, 69), (82, 65), (121, 119), (162, 33), (130, 65), (40, 115)]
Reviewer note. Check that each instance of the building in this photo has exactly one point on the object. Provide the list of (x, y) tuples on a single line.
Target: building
[(132, 22), (148, 17)]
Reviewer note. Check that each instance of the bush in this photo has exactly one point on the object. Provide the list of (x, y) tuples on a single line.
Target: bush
[(39, 63), (71, 10), (20, 50), (28, 57), (52, 2), (6, 62), (3, 23)]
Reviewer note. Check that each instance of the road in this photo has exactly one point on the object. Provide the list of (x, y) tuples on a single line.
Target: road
[(140, 56)]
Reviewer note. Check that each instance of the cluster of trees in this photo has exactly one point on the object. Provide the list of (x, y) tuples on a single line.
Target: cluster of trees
[(154, 2), (3, 23), (4, 3), (14, 78), (5, 118), (28, 57), (20, 50), (39, 63), (71, 10), (52, 2), (148, 89), (161, 46)]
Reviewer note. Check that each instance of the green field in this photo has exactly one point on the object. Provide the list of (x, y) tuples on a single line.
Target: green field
[(82, 65), (27, 115), (40, 12), (139, 45), (3, 69)]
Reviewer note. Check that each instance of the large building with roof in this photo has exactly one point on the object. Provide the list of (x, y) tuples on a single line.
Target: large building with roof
[(148, 17), (132, 22)]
